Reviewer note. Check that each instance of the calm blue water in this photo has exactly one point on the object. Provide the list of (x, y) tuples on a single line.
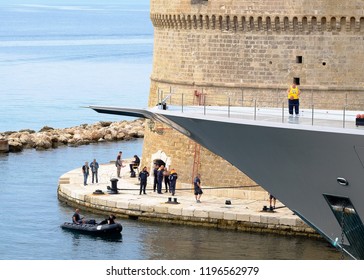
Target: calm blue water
[(55, 58)]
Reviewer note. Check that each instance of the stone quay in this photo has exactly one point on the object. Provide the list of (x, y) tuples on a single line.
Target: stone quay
[(213, 211)]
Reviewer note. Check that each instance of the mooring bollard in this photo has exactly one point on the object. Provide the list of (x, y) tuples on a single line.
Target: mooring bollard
[(114, 186), (172, 202)]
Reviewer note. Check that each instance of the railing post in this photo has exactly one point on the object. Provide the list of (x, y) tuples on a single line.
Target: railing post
[(204, 106), (182, 103), (282, 112), (229, 106), (158, 97), (344, 115), (255, 109), (242, 98), (312, 113), (346, 104)]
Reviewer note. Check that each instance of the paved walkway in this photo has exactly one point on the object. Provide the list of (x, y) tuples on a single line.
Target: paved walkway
[(242, 214)]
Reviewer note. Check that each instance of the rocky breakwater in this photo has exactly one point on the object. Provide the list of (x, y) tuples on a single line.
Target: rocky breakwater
[(48, 137)]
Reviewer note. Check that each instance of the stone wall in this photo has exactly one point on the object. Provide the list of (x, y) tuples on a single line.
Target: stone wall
[(262, 54), (243, 52), (189, 158)]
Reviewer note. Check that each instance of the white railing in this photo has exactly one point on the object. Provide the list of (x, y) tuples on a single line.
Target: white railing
[(263, 110)]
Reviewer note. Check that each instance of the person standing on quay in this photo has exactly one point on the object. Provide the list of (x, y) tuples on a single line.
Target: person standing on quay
[(85, 171), (143, 176), (172, 181), (94, 169), (155, 174), (293, 99), (166, 179), (160, 179), (272, 198), (197, 186), (119, 163)]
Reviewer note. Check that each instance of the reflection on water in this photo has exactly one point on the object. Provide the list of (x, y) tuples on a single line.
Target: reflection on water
[(76, 237), (180, 242)]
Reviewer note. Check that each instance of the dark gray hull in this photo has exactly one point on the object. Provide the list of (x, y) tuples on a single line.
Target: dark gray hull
[(317, 172)]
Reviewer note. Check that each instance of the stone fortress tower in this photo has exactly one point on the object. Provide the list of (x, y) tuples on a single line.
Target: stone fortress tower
[(250, 51)]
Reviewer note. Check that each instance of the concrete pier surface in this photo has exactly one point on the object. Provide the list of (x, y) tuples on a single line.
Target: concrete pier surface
[(241, 214)]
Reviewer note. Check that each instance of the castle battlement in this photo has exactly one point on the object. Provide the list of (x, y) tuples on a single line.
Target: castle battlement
[(261, 23), (248, 51)]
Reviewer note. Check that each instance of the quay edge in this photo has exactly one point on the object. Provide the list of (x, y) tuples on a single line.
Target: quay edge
[(242, 215)]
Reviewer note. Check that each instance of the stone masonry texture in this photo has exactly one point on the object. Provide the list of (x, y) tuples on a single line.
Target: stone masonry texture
[(241, 52)]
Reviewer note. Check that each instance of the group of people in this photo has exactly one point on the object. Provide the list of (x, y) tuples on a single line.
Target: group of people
[(94, 166), (162, 174)]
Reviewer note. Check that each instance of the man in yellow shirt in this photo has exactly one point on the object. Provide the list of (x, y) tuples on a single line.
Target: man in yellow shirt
[(293, 99)]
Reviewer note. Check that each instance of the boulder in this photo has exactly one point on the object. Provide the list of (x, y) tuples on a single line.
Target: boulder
[(30, 131), (4, 146), (15, 146), (42, 142), (46, 128), (26, 139), (105, 124)]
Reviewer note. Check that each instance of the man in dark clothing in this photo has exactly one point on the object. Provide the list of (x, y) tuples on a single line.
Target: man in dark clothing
[(143, 175), (85, 171), (197, 186), (172, 181), (160, 177), (134, 163), (76, 218), (155, 174), (110, 220)]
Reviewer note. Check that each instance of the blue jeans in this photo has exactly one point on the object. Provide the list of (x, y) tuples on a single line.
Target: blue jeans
[(172, 187), (94, 174), (159, 185), (85, 175)]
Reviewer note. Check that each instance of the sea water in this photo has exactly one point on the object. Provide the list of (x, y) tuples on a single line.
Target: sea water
[(55, 58)]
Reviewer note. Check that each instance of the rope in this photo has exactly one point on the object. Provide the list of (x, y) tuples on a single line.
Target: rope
[(188, 189)]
